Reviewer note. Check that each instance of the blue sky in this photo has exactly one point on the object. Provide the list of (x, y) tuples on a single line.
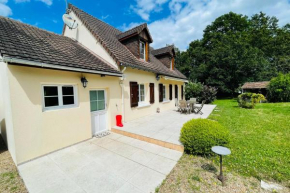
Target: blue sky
[(169, 21)]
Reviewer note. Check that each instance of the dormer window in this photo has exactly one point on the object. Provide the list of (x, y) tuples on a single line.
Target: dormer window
[(142, 50)]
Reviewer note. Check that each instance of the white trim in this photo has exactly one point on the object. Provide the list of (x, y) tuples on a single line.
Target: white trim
[(164, 92), (105, 95), (165, 101), (144, 104), (176, 79), (60, 100), (143, 43), (44, 65), (141, 102)]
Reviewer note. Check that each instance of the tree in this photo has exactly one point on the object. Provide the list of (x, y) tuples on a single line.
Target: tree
[(236, 49)]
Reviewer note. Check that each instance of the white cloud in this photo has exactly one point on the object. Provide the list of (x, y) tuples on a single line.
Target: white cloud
[(4, 9), (189, 18), (144, 7), (21, 1), (47, 2)]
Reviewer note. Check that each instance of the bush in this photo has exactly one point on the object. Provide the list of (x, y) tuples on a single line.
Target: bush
[(249, 100), (279, 88), (193, 90), (200, 92), (198, 136)]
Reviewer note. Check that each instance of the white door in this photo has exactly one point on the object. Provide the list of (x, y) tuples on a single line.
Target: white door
[(98, 111)]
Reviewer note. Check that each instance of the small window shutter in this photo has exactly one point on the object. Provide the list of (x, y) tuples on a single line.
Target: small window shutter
[(176, 91), (170, 91), (181, 92), (173, 63), (134, 93), (160, 92), (151, 86)]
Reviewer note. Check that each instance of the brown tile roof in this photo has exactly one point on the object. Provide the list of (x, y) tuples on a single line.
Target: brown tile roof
[(22, 41), (164, 50), (108, 37), (255, 85), (136, 30)]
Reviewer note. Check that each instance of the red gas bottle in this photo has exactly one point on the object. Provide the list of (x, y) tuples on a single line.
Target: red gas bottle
[(119, 120)]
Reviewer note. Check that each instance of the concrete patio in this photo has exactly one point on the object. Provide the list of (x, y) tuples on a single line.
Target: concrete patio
[(161, 128), (114, 163)]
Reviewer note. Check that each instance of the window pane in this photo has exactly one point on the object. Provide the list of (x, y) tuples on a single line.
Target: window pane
[(142, 49), (50, 101), (68, 100), (101, 105), (50, 91), (93, 95), (101, 95), (94, 106), (67, 90)]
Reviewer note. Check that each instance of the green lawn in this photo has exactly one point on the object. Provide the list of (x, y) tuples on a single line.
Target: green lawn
[(260, 139)]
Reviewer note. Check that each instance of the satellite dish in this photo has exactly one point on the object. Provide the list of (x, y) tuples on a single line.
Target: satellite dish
[(69, 21)]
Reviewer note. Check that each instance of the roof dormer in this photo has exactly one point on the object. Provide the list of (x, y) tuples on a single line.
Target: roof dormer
[(137, 40), (166, 55)]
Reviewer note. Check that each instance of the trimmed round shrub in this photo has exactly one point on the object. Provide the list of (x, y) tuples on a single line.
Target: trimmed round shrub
[(198, 136), (249, 100)]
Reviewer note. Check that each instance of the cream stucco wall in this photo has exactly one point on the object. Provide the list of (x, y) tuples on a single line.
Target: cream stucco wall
[(84, 36), (39, 132), (145, 78), (6, 123)]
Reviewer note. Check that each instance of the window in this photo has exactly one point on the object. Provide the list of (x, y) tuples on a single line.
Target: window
[(142, 50), (164, 93), (141, 93), (176, 91), (59, 96), (97, 100)]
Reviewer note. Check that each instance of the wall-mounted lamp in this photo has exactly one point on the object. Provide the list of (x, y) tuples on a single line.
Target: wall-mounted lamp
[(84, 81), (157, 77)]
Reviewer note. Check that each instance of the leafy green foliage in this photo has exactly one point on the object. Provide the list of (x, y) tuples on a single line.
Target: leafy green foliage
[(260, 142), (249, 100), (236, 49), (200, 92), (279, 88), (199, 135), (193, 90)]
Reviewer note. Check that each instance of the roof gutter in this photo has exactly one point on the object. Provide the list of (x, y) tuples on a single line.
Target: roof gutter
[(44, 65), (175, 79)]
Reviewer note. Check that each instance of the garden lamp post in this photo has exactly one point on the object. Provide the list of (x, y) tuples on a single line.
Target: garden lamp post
[(221, 151)]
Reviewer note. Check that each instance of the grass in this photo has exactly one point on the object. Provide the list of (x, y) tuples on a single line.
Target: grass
[(190, 175), (260, 139), (10, 181), (260, 145)]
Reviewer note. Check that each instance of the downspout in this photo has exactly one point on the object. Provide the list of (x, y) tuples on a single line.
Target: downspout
[(122, 88)]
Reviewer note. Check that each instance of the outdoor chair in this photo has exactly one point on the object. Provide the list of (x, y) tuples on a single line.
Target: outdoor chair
[(183, 107), (197, 109)]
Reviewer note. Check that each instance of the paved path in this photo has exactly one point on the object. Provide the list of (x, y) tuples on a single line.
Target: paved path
[(114, 163), (164, 126)]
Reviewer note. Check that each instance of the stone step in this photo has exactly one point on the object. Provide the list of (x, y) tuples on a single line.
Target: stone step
[(149, 140)]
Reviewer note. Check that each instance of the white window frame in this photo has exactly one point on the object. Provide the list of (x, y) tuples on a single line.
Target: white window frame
[(143, 43), (171, 64), (141, 102), (60, 95), (164, 93)]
